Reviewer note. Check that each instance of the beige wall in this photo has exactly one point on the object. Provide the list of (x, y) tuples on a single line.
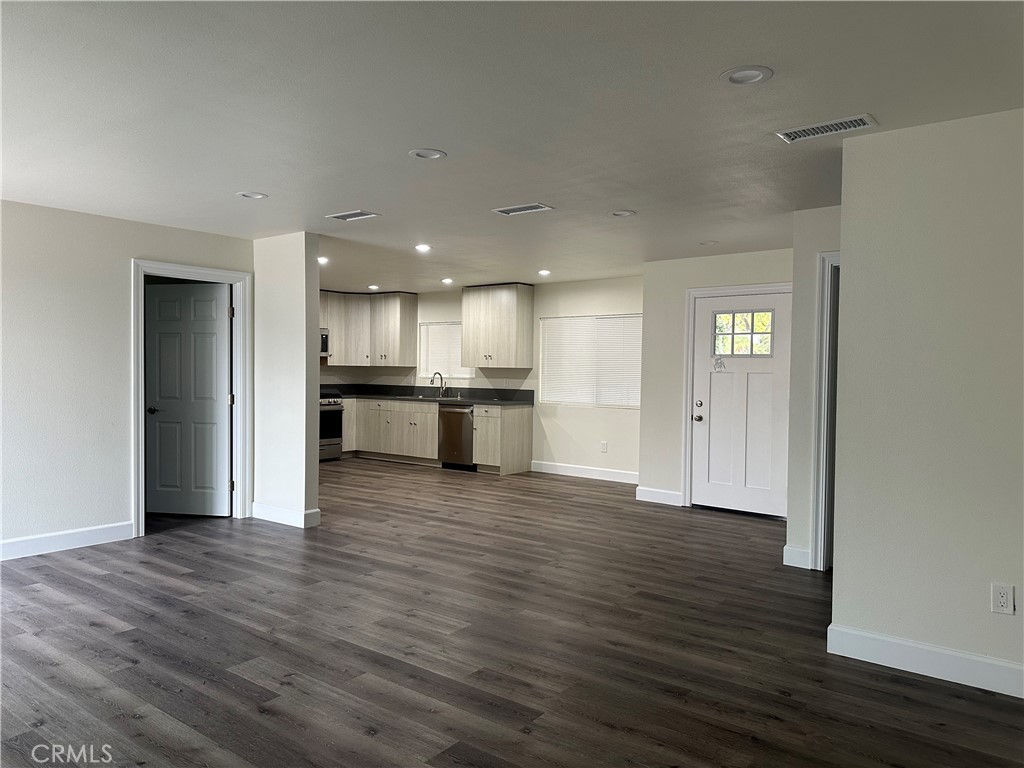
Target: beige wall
[(929, 496), (571, 434), (562, 434), (814, 232), (286, 378), (663, 386), (66, 357)]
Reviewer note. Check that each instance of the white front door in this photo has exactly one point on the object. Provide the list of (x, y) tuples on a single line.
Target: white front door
[(188, 385), (740, 407)]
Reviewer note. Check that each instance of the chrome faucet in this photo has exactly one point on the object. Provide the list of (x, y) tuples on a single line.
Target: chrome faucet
[(440, 390)]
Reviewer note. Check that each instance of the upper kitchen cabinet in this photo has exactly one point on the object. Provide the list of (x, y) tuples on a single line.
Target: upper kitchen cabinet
[(370, 329), (497, 326), (393, 317), (325, 299), (356, 341)]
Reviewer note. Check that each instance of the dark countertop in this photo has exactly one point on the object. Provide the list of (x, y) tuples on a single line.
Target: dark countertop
[(443, 400), (417, 394)]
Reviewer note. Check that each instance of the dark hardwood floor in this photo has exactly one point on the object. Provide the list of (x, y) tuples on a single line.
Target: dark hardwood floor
[(454, 619)]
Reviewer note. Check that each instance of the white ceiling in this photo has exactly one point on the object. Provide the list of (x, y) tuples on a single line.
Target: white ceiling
[(161, 112)]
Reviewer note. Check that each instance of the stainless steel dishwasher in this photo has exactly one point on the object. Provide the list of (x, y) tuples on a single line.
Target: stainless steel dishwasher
[(455, 434)]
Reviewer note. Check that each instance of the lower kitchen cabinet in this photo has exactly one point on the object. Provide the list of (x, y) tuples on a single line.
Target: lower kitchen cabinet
[(487, 439), (350, 425), (502, 435), (397, 428), (503, 438), (375, 431), (414, 434)]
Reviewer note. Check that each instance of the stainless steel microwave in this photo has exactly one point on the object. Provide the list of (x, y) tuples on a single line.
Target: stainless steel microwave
[(323, 342)]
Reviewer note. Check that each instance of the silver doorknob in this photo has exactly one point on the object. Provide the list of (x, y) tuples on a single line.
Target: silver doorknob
[(698, 417)]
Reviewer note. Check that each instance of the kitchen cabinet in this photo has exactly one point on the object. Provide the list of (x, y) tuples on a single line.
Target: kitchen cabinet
[(355, 341), (487, 440), (350, 425), (502, 434), (414, 434), (370, 329), (324, 301), (393, 319), (503, 438), (375, 431), (497, 326), (397, 428)]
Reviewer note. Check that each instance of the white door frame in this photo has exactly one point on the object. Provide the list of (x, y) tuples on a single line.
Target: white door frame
[(692, 294), (820, 525), (241, 380)]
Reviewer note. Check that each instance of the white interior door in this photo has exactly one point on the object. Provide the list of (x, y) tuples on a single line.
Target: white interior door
[(740, 407), (188, 385)]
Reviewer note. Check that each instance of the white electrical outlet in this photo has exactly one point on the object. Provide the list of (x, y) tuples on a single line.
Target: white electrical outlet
[(1002, 598), (604, 446)]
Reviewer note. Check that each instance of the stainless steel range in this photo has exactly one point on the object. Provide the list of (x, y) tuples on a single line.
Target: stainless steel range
[(331, 415)]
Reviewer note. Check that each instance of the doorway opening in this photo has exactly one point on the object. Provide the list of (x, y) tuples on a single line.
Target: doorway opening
[(825, 416), (192, 402)]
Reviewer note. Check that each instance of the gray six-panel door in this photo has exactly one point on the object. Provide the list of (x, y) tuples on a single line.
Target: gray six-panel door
[(188, 411)]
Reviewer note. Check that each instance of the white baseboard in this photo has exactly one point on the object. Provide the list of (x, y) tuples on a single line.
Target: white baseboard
[(931, 660), (26, 546), (594, 473), (658, 496), (296, 518), (796, 557)]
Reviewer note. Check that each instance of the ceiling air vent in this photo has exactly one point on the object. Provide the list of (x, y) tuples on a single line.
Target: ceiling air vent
[(515, 210), (352, 215), (845, 125)]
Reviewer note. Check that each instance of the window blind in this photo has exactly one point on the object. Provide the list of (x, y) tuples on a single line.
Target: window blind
[(591, 360), (441, 350)]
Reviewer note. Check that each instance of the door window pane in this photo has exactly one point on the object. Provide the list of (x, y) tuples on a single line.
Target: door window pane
[(762, 343), (762, 322), (744, 333)]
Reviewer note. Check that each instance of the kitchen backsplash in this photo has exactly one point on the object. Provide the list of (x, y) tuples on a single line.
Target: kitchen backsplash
[(498, 379)]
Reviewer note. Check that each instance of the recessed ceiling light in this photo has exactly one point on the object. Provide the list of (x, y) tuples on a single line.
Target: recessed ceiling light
[(447, 280), (623, 213), (322, 259), (373, 287), (708, 242), (428, 154), (748, 75), (252, 195), (544, 272), (423, 248)]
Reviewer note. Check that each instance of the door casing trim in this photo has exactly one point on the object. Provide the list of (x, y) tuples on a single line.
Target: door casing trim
[(241, 381), (820, 557), (692, 294)]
